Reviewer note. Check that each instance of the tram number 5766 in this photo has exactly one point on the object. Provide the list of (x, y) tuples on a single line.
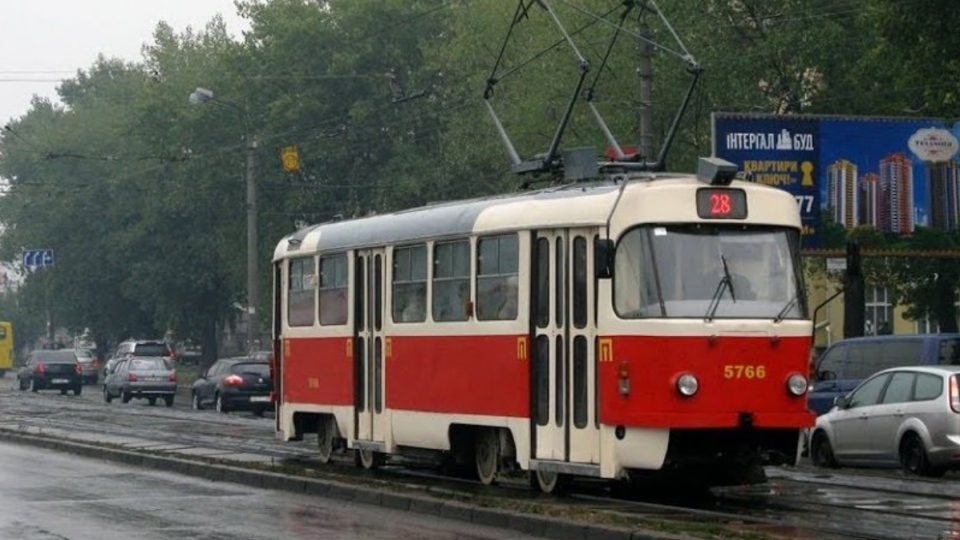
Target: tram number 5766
[(744, 372)]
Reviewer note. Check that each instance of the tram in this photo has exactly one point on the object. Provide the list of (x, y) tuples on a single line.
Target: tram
[(650, 322)]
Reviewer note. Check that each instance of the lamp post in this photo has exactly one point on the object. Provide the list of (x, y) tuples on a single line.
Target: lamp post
[(204, 95)]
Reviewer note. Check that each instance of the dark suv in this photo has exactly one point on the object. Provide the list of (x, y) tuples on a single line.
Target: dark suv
[(133, 348), (58, 370)]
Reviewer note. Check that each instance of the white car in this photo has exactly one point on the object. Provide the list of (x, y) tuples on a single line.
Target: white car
[(905, 416)]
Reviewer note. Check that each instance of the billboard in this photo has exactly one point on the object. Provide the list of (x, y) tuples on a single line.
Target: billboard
[(894, 174)]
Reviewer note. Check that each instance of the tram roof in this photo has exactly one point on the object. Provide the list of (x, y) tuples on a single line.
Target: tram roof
[(447, 219), (583, 204)]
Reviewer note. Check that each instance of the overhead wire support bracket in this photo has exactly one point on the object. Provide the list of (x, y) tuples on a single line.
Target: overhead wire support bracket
[(550, 162)]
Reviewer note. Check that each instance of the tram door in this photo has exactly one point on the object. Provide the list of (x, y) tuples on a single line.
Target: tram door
[(563, 363), (369, 345)]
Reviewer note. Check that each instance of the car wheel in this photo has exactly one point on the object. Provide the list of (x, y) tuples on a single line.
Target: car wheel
[(220, 405), (77, 389), (63, 391), (195, 402), (913, 456), (34, 386), (258, 411), (168, 400), (821, 453), (107, 398), (20, 384), (152, 401), (125, 396)]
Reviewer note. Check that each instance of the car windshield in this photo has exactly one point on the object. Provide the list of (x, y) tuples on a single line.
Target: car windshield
[(149, 364), (151, 349), (260, 370), (707, 270), (83, 354), (56, 357)]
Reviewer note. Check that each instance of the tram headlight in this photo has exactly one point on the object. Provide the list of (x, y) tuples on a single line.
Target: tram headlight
[(797, 384), (687, 385)]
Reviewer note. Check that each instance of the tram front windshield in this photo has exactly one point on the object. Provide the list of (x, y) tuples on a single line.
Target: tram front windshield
[(708, 271)]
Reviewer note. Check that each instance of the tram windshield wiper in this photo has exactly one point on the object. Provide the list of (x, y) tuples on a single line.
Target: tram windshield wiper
[(726, 282), (786, 309)]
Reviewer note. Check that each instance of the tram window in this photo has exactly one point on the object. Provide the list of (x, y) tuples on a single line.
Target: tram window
[(580, 282), (498, 263), (559, 362), (410, 284), (543, 282), (377, 293), (580, 382), (634, 286), (300, 292), (333, 289), (541, 374), (360, 296), (561, 296), (451, 281)]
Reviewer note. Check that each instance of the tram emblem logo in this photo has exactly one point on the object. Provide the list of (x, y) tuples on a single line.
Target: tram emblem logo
[(388, 343), (349, 350), (606, 350), (522, 348)]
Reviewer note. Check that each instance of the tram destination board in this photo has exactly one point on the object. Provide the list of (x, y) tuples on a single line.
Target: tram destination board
[(721, 203)]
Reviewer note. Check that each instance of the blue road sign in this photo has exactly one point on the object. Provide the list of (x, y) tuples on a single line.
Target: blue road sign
[(38, 257)]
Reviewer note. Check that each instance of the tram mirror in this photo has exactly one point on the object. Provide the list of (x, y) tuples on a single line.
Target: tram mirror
[(603, 258)]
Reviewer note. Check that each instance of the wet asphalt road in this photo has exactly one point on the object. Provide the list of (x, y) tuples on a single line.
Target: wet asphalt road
[(48, 495)]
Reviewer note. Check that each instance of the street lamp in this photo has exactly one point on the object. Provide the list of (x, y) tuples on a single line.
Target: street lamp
[(204, 95)]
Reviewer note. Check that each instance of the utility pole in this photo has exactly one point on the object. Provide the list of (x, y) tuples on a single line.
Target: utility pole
[(253, 285), (645, 70)]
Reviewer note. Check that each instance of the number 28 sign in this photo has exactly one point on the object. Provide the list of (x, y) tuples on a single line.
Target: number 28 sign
[(721, 203)]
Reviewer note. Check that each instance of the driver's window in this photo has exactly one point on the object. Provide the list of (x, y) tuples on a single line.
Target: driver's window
[(831, 363), (869, 392)]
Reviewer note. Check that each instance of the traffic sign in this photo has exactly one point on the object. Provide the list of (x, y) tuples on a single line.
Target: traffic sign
[(37, 257)]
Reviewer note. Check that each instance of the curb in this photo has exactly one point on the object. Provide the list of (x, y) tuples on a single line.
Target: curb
[(556, 528)]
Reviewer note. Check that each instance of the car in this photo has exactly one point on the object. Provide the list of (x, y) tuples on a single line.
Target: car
[(49, 369), (905, 416), (140, 347), (148, 377), (848, 362), (240, 383), (90, 365)]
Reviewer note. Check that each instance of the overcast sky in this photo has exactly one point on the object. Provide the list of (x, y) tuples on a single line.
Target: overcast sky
[(42, 41)]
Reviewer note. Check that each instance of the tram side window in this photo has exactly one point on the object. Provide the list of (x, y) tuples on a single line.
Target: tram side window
[(301, 285), (410, 284), (451, 281), (634, 292), (333, 290), (498, 263)]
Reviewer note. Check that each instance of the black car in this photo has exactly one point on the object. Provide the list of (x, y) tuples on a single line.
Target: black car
[(234, 384), (56, 370)]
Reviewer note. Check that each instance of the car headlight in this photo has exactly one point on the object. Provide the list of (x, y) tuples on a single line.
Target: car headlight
[(797, 384), (687, 385)]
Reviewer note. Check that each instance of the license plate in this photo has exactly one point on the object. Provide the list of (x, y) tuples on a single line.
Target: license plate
[(60, 381), (259, 399)]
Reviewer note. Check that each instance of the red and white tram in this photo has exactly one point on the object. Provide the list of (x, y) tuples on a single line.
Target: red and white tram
[(657, 322)]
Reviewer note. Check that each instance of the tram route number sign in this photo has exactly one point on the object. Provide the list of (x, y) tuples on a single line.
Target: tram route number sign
[(34, 258)]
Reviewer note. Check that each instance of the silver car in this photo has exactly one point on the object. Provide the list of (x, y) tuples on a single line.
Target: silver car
[(89, 364), (906, 416), (141, 377)]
